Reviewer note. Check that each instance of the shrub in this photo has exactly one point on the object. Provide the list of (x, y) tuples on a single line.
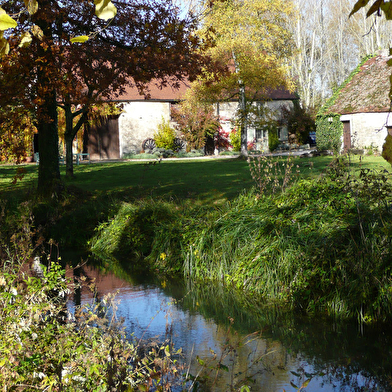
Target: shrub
[(222, 139), (162, 152), (329, 133), (164, 137), (251, 146), (235, 140), (273, 139), (300, 122), (196, 121)]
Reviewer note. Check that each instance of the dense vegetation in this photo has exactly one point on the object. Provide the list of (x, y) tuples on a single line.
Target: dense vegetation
[(44, 347), (317, 243), (321, 245)]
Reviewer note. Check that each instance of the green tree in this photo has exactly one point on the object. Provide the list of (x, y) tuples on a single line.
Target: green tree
[(252, 41)]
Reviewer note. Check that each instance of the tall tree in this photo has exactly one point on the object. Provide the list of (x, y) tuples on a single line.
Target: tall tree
[(252, 39), (147, 40)]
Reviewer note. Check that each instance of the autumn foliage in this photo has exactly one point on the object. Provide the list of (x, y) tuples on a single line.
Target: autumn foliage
[(147, 40)]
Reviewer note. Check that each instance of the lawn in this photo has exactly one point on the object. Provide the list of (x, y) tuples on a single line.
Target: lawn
[(207, 180)]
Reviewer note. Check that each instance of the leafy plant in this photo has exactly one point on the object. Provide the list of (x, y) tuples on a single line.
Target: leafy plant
[(329, 133), (165, 135), (40, 351), (273, 139), (235, 140)]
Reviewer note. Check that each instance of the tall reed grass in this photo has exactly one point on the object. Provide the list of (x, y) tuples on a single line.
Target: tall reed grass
[(318, 245)]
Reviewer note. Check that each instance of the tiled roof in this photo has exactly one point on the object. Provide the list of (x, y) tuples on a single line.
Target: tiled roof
[(155, 93), (169, 93), (367, 91)]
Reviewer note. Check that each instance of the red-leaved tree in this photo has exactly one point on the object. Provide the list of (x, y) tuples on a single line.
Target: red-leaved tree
[(146, 40)]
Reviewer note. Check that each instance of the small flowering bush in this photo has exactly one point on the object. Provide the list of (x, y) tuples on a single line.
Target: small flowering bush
[(222, 139), (165, 135), (251, 145)]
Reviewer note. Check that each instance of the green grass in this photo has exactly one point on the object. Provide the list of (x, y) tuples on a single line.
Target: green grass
[(206, 213), (209, 181)]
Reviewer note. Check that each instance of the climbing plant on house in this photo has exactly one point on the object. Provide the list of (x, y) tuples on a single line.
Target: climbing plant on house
[(329, 128)]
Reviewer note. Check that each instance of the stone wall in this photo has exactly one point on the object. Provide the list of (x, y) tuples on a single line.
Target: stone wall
[(368, 129), (228, 110), (140, 121)]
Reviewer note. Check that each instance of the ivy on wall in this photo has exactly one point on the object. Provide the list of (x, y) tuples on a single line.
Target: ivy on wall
[(329, 128)]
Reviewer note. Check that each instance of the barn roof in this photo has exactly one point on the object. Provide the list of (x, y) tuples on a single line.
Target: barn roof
[(366, 90), (169, 93)]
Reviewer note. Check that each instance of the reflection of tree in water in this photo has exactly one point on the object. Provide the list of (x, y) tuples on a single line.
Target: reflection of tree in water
[(325, 351), (345, 355)]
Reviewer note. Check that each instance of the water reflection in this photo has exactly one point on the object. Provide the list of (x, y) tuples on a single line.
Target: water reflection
[(265, 347)]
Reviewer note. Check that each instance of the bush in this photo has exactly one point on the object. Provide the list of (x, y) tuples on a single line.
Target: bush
[(162, 152), (48, 349), (387, 149), (164, 137), (273, 140), (329, 133), (222, 139), (235, 140), (196, 120), (300, 122)]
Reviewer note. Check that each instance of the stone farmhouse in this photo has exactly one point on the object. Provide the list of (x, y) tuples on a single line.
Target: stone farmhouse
[(363, 104), (121, 135)]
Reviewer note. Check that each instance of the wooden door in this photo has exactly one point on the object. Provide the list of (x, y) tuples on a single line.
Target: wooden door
[(103, 140), (346, 135)]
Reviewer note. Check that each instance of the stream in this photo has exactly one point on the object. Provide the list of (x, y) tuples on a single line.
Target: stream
[(273, 350)]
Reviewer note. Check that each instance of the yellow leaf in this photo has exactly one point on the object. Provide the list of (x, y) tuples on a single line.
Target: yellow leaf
[(37, 32), (80, 38), (105, 9), (25, 40), (32, 6), (6, 22), (4, 46)]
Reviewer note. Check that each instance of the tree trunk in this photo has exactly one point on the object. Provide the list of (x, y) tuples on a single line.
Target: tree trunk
[(70, 133), (49, 183), (68, 139), (243, 121)]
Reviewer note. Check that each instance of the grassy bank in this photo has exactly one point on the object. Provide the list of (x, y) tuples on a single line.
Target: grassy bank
[(323, 244)]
